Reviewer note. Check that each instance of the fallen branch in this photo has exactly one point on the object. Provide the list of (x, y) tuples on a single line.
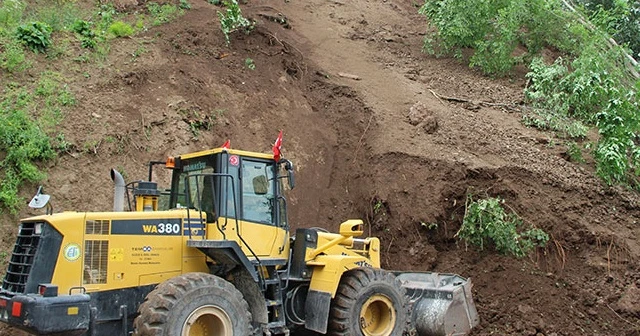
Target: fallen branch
[(350, 76), (479, 102)]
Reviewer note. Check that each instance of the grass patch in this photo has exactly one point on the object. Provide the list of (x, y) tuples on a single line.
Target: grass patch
[(121, 29), (163, 13)]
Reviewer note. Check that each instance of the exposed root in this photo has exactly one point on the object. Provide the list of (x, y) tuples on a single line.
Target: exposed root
[(609, 257), (622, 318), (561, 255)]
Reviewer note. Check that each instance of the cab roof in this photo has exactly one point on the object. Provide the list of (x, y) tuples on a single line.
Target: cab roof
[(230, 151)]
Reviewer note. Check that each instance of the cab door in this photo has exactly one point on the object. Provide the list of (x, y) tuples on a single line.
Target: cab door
[(258, 216)]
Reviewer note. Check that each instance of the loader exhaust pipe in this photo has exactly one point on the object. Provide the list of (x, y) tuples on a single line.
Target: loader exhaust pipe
[(441, 304), (119, 190)]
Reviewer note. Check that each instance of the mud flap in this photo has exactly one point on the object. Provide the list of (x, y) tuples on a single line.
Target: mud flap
[(317, 311), (441, 304)]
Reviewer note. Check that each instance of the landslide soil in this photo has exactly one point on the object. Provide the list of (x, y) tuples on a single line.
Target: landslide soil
[(359, 106)]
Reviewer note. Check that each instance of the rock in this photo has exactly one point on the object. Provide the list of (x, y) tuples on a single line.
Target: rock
[(628, 303), (429, 124), (420, 115), (525, 309)]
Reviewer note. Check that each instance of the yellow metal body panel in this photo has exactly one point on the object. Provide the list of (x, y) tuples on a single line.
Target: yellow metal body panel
[(144, 249), (329, 269), (265, 240), (337, 254)]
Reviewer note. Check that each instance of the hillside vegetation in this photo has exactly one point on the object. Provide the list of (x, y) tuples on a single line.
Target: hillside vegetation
[(577, 77)]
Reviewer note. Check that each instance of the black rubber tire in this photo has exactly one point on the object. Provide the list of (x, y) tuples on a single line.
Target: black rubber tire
[(356, 287), (167, 308)]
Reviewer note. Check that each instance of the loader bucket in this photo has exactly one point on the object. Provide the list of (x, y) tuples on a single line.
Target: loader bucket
[(441, 304)]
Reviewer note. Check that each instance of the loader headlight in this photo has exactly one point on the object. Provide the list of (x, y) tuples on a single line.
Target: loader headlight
[(37, 229)]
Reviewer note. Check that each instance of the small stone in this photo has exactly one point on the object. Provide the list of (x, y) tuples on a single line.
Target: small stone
[(95, 115)]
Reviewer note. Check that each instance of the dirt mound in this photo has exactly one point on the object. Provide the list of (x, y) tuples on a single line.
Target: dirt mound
[(372, 137)]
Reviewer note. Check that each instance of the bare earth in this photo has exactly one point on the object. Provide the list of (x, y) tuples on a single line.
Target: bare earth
[(358, 103)]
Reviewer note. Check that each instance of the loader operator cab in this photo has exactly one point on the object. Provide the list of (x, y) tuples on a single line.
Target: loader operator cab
[(234, 185)]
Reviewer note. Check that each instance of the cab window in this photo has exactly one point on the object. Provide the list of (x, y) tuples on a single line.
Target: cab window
[(258, 192)]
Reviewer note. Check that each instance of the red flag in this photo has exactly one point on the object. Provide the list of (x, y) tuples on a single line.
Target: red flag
[(276, 147), (226, 145)]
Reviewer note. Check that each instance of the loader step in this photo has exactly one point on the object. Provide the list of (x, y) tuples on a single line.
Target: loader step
[(272, 281), (273, 303)]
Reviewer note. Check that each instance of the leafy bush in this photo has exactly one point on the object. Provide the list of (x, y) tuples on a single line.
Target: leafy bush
[(87, 35), (121, 29), (590, 85), (105, 17), (485, 222), (83, 28), (494, 29), (597, 91), (163, 14), (232, 19), (35, 35), (621, 19), (184, 4)]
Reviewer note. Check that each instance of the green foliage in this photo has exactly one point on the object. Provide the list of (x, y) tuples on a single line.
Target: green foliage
[(486, 222), (184, 4), (248, 62), (163, 13), (494, 29), (620, 18), (59, 16), (105, 16), (11, 12), (574, 152), (35, 35), (589, 85), (12, 57), (232, 19), (596, 91), (121, 29), (87, 35), (83, 28), (23, 140)]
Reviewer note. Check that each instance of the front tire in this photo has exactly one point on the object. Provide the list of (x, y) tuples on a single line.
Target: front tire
[(194, 304), (369, 302)]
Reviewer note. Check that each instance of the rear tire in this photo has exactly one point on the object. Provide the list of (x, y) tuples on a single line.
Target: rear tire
[(369, 302), (194, 304)]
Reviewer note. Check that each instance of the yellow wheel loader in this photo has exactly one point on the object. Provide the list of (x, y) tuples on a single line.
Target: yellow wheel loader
[(219, 260)]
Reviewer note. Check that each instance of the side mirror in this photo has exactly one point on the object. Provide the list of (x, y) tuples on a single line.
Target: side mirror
[(41, 200), (289, 167)]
